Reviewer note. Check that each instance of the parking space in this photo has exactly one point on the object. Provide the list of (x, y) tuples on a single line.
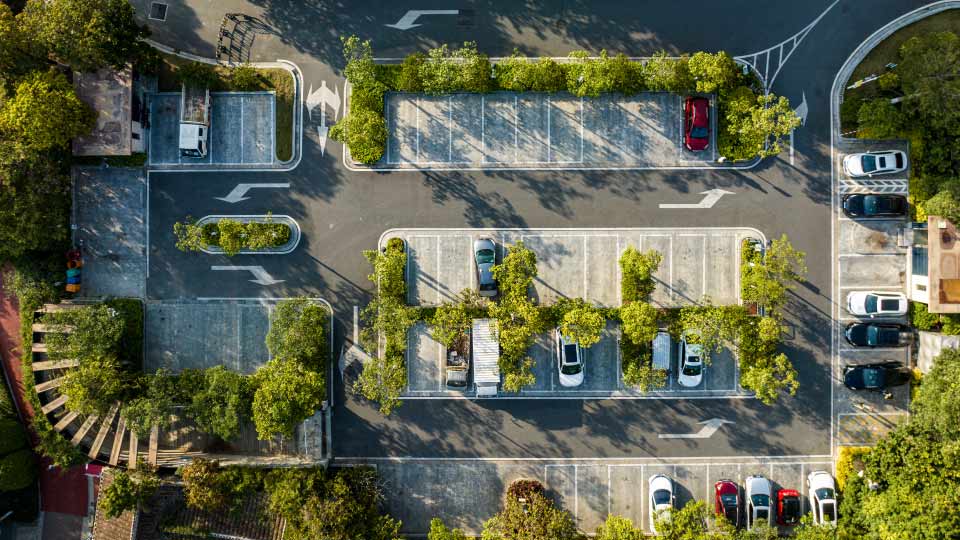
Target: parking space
[(868, 258), (580, 263), (539, 130), (241, 130)]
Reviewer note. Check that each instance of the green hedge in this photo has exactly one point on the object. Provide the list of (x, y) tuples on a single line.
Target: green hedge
[(243, 234)]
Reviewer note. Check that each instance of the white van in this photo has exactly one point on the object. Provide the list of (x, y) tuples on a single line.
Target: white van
[(662, 349)]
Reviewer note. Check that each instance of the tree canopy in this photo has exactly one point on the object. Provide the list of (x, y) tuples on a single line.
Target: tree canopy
[(286, 394), (45, 112)]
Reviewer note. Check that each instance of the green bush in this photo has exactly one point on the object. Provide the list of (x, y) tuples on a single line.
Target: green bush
[(408, 80), (298, 331), (230, 235), (639, 322), (17, 470), (921, 319), (950, 324), (594, 76), (439, 73), (96, 332), (287, 393), (93, 386), (474, 69), (519, 74), (849, 111), (635, 361), (368, 97), (12, 436), (664, 74), (713, 72), (222, 403), (244, 78), (130, 346), (878, 119), (364, 132), (198, 75), (636, 274)]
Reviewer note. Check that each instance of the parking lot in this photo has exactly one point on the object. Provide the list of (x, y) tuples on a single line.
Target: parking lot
[(539, 130), (241, 130), (580, 263), (464, 494), (697, 263), (868, 259)]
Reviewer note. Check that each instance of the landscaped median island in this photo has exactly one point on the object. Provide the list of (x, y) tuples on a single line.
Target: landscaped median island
[(232, 235), (751, 124), (522, 325)]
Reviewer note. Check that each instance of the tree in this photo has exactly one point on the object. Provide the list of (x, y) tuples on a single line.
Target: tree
[(17, 52), (944, 204), (298, 331), (223, 402), (86, 34), (245, 78), (878, 119), (365, 132), (231, 235), (452, 320), (17, 470), (345, 507), (582, 323), (762, 369), (618, 528), (361, 70), (767, 280), (928, 70), (439, 531), (34, 206), (29, 119), (535, 519), (389, 267), (156, 405), (287, 393), (639, 322), (636, 273), (756, 125), (439, 73), (516, 272), (663, 73), (713, 72), (126, 491), (408, 80), (203, 485), (89, 332), (94, 385), (474, 69), (689, 522), (716, 326)]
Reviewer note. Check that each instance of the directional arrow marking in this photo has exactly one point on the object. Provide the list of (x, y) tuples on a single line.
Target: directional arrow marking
[(709, 428), (712, 196), (802, 111), (407, 21), (238, 192), (263, 277), (322, 97)]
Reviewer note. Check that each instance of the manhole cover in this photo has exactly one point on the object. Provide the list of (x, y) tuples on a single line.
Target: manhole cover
[(158, 11), (465, 18)]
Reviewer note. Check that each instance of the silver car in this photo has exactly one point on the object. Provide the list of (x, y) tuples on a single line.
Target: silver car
[(485, 255), (759, 501)]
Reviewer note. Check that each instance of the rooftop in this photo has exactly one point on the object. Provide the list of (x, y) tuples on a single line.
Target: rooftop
[(944, 265), (109, 93)]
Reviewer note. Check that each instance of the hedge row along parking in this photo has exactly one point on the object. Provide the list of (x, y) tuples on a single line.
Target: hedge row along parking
[(751, 123)]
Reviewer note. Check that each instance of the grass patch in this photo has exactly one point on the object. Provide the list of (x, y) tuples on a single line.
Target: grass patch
[(276, 80), (888, 50)]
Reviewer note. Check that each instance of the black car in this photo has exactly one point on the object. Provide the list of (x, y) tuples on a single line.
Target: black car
[(870, 206), (877, 335), (877, 377)]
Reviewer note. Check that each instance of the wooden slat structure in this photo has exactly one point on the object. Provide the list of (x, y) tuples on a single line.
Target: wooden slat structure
[(104, 428), (65, 421), (54, 405), (132, 452), (49, 385), (49, 328), (53, 308), (39, 347), (152, 449), (118, 442), (84, 428), (55, 364)]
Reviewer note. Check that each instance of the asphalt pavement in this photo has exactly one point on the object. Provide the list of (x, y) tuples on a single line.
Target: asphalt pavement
[(342, 213)]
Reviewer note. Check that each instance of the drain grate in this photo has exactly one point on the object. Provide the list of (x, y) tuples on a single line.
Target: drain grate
[(465, 19), (158, 11)]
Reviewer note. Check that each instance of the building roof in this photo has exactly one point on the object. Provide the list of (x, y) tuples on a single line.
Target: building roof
[(118, 528), (109, 93), (943, 241), (931, 345)]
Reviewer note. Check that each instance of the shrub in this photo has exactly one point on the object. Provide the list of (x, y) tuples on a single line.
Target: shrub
[(878, 119), (197, 74), (921, 319), (95, 332), (636, 273), (474, 69), (368, 97), (245, 78), (287, 393), (203, 485), (754, 125), (452, 320), (713, 72), (439, 73), (12, 436), (222, 402), (944, 204), (849, 111), (389, 270), (361, 69), (364, 132), (127, 491), (640, 323), (17, 470), (298, 331), (155, 406), (594, 76), (849, 462), (950, 324), (665, 74), (525, 489), (93, 386), (519, 74), (409, 78), (230, 236), (582, 322)]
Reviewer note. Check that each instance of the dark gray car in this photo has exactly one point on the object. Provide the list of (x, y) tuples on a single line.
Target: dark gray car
[(485, 255)]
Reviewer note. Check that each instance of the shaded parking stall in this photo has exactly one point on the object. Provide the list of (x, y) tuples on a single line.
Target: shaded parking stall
[(241, 130)]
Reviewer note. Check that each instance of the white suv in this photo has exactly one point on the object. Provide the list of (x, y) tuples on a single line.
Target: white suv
[(823, 498)]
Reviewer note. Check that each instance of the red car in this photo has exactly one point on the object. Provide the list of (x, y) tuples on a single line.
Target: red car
[(696, 123), (789, 507), (727, 500)]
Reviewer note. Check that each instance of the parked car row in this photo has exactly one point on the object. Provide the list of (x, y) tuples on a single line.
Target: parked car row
[(756, 503), (875, 205)]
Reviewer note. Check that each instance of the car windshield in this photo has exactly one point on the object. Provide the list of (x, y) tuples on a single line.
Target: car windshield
[(870, 304), (691, 370), (869, 163), (760, 500), (871, 204), (570, 369), (873, 377), (485, 256), (791, 506), (824, 493), (828, 514), (698, 133), (729, 500), (661, 496)]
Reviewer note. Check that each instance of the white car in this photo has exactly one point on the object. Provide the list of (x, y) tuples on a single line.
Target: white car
[(662, 499), (877, 304), (871, 163), (691, 363), (823, 498), (759, 501), (569, 361)]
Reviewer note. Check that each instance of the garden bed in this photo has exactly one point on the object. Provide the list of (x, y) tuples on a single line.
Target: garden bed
[(282, 233)]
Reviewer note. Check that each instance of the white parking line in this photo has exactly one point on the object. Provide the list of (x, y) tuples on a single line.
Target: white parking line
[(483, 131), (241, 129), (516, 129), (581, 130), (549, 140)]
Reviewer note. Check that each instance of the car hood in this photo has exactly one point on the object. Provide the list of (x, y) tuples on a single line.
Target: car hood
[(857, 334), (571, 380), (853, 164), (855, 303)]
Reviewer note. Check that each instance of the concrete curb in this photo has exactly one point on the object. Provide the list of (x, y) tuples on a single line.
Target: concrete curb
[(291, 244), (297, 127)]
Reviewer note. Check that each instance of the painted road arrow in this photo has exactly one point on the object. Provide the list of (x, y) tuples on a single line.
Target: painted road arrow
[(322, 97), (238, 192), (801, 111), (709, 428), (407, 21), (712, 196), (263, 277)]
